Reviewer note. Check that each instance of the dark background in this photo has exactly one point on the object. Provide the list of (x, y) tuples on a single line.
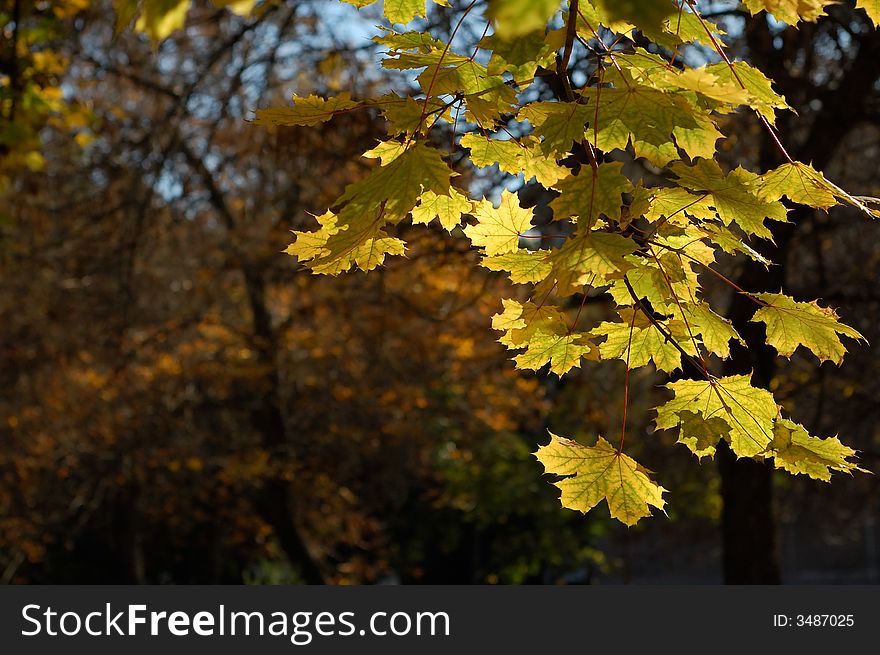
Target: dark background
[(182, 403)]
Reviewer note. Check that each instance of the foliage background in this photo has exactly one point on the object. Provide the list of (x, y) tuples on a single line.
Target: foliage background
[(181, 403)]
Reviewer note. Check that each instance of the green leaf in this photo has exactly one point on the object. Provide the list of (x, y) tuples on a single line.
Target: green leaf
[(520, 321), (600, 472), (645, 117), (305, 111), (762, 98), (498, 228), (589, 258), (749, 412), (406, 115), (796, 451), (398, 11), (523, 266), (394, 189), (590, 194), (403, 11), (799, 183), (716, 332), (487, 96), (515, 18), (647, 15), (701, 434), (791, 324), (334, 249), (558, 124), (732, 195), (520, 56), (355, 236), (647, 343)]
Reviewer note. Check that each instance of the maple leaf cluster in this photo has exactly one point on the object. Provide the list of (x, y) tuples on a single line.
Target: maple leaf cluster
[(643, 244)]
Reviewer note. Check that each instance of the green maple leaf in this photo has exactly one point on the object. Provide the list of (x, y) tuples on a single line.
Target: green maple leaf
[(796, 451), (559, 125), (334, 249), (417, 41), (644, 342), (701, 434), (394, 189), (406, 115), (523, 266), (646, 280), (515, 18), (703, 82), (731, 243), (591, 194), (589, 258), (749, 412), (648, 119), (800, 183), (355, 236), (650, 16), (305, 111), (791, 324), (499, 228), (715, 332), (597, 473), (675, 204), (542, 331), (520, 56), (762, 98), (684, 27), (487, 96), (732, 195)]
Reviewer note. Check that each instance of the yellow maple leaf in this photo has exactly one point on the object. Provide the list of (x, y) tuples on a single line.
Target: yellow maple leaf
[(498, 228), (600, 472)]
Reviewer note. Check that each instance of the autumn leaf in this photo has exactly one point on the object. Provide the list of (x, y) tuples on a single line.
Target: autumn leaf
[(498, 229), (791, 324), (305, 111), (748, 413), (448, 208), (523, 266), (591, 194), (637, 340), (561, 350), (731, 195), (600, 472), (790, 11), (516, 18), (796, 451)]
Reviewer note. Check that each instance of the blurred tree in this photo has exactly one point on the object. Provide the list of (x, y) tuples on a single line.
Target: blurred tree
[(183, 405)]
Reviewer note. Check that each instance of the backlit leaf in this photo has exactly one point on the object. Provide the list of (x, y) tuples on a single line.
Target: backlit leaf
[(796, 451), (499, 228), (791, 324), (749, 412), (600, 472)]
